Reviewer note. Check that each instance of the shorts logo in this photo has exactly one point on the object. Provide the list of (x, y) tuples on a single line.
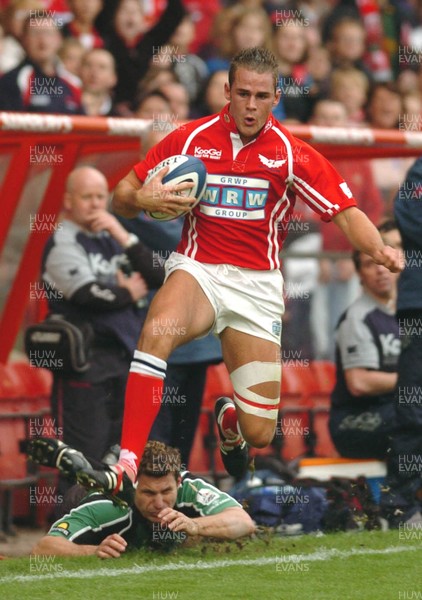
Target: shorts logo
[(271, 163), (276, 327), (241, 198), (211, 153)]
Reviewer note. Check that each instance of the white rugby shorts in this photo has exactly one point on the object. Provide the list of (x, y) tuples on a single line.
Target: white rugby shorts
[(245, 299)]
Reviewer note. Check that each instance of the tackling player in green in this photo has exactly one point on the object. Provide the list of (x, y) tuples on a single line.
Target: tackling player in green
[(167, 507)]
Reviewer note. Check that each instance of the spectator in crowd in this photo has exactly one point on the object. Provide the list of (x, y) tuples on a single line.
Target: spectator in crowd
[(387, 26), (168, 506), (153, 105), (178, 97), (291, 48), (203, 14), (407, 81), (338, 283), (319, 66), (83, 270), (178, 418), (362, 416), (82, 26), (12, 21), (132, 47), (313, 11), (384, 106), (236, 28), (36, 84), (212, 99), (346, 44), (411, 119), (401, 496), (155, 77), (70, 55), (190, 69), (329, 113), (350, 86), (98, 75)]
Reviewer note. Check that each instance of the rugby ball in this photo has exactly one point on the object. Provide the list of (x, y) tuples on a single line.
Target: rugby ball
[(182, 168)]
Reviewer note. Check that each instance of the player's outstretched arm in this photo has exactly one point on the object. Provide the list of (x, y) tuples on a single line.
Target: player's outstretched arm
[(111, 547), (364, 236), (51, 545), (229, 524), (131, 196)]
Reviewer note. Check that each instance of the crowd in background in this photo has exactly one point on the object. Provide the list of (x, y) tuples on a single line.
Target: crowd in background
[(341, 63)]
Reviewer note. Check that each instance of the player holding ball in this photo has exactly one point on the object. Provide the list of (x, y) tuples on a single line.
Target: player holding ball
[(225, 275)]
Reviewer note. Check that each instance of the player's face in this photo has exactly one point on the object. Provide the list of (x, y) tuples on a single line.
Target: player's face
[(153, 494), (252, 97), (376, 279)]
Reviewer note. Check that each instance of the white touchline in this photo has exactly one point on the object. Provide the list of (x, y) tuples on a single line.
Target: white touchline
[(319, 555)]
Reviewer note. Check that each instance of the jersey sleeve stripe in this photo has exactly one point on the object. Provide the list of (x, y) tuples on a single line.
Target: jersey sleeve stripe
[(288, 145), (192, 246), (320, 202), (273, 240), (273, 245)]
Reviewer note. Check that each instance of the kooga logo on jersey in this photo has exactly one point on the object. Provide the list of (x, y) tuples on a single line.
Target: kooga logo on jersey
[(212, 153)]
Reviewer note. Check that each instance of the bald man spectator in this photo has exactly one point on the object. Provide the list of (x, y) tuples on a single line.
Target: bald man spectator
[(95, 273)]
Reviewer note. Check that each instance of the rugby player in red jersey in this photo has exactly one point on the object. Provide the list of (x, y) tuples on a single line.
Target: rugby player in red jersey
[(225, 275)]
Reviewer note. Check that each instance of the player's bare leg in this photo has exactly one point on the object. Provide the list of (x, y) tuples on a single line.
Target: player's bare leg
[(179, 313), (255, 370)]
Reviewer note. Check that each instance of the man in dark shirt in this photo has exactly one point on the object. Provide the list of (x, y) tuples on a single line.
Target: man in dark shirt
[(37, 84), (401, 499), (367, 353)]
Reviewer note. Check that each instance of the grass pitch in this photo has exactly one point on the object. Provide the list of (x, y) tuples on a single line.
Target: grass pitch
[(361, 566)]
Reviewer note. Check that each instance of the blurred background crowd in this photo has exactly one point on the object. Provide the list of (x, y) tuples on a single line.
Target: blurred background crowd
[(342, 63)]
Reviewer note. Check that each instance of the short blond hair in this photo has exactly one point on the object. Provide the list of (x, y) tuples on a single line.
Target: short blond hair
[(349, 73)]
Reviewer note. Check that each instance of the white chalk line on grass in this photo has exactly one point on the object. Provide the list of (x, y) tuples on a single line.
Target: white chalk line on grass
[(320, 555)]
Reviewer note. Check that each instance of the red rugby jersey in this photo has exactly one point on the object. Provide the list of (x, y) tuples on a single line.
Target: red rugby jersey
[(243, 217)]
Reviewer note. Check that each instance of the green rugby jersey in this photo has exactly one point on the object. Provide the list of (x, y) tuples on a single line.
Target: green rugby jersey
[(97, 516)]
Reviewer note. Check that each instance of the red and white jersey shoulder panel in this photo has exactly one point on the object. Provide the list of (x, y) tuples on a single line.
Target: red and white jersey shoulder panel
[(317, 182), (173, 143)]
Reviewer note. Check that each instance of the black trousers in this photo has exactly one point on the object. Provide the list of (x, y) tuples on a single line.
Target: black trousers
[(88, 408), (404, 474), (364, 433), (178, 418)]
